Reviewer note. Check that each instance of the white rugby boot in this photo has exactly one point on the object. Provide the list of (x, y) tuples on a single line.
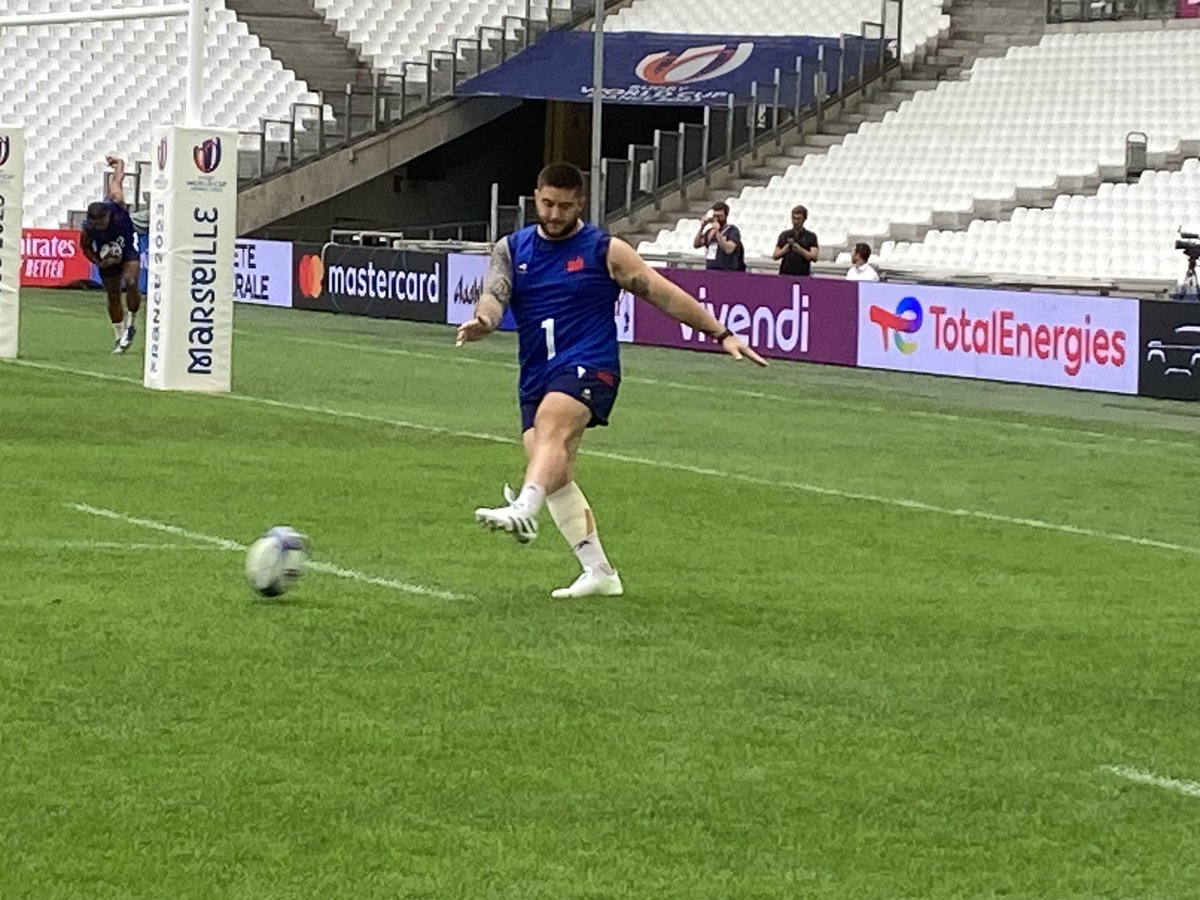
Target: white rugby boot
[(592, 583), (522, 527)]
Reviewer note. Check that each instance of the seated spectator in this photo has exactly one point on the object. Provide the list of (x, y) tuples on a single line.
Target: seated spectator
[(860, 269)]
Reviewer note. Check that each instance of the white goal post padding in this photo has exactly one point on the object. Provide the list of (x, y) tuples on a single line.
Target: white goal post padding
[(193, 224), (12, 184)]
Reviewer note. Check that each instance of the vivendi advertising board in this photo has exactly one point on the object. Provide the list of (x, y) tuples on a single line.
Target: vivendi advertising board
[(1058, 340), (807, 319)]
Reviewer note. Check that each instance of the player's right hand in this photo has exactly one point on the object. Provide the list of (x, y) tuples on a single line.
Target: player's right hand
[(472, 330), (739, 349)]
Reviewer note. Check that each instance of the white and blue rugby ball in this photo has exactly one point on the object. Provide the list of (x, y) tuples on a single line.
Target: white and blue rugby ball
[(111, 255), (275, 562)]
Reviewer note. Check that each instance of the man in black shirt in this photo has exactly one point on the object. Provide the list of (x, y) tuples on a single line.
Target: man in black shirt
[(797, 248)]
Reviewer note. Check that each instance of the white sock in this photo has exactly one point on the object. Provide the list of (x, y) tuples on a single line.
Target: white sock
[(119, 329), (530, 501), (128, 319), (571, 513)]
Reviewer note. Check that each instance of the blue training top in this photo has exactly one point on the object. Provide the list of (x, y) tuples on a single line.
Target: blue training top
[(563, 299), (119, 231)]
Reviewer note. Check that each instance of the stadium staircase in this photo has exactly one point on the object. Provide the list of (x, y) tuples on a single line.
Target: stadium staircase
[(433, 116), (979, 29), (301, 39)]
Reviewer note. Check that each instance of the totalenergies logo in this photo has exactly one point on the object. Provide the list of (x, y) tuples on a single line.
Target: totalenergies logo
[(310, 272), (693, 64), (208, 155), (905, 320)]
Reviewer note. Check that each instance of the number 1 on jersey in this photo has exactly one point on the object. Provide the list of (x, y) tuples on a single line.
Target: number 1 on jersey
[(548, 327)]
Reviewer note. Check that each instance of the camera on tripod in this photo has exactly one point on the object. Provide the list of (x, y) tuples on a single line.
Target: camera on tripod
[(1189, 287), (1189, 243)]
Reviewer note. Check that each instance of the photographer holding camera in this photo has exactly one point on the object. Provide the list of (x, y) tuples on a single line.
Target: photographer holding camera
[(724, 241), (797, 248)]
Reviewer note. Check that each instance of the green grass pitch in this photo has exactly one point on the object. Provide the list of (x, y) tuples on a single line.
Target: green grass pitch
[(882, 633)]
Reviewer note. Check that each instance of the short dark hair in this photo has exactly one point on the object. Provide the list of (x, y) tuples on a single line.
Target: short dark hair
[(721, 206), (561, 175), (803, 210), (97, 210), (863, 250)]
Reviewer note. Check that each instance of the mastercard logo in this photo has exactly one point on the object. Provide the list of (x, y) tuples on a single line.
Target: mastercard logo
[(309, 275)]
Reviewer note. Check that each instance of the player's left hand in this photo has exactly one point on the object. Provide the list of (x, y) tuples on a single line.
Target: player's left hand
[(738, 349), (472, 330)]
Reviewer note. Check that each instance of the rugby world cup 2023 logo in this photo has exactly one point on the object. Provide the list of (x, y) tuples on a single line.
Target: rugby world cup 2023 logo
[(208, 155), (5, 148), (693, 64), (905, 320)]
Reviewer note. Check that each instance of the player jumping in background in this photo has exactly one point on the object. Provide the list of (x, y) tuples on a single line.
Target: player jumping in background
[(107, 242), (562, 278)]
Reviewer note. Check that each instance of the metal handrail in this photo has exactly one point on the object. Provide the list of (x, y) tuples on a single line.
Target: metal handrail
[(577, 14), (779, 103), (1058, 11)]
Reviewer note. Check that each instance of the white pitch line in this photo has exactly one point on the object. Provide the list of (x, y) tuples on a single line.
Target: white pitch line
[(917, 505), (226, 544), (51, 367), (53, 544), (1187, 788), (802, 487), (1136, 443)]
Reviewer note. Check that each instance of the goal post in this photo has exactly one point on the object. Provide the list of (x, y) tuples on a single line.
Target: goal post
[(12, 185), (188, 325), (189, 291)]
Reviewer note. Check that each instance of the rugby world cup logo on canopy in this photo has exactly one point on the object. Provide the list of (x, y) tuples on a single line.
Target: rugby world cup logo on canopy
[(208, 155), (5, 148), (161, 156), (693, 64)]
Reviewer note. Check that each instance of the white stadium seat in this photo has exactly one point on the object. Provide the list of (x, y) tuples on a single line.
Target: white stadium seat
[(389, 33), (1123, 231), (923, 19), (96, 88), (1027, 120)]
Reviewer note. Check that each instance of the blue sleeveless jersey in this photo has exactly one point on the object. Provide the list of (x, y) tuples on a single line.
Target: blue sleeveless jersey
[(563, 300), (119, 231)]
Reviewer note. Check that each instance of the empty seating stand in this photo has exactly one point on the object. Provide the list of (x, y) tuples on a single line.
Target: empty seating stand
[(97, 88), (389, 33), (1041, 121)]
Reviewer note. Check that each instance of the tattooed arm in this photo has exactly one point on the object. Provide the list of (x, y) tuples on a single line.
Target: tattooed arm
[(631, 272), (497, 291)]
